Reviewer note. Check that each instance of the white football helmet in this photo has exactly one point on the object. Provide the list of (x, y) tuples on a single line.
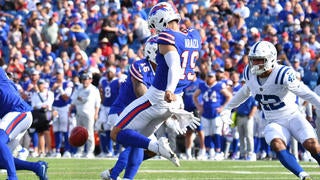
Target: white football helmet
[(262, 50), (151, 48), (161, 14)]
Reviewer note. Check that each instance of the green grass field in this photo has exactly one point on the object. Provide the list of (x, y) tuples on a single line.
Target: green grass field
[(74, 169)]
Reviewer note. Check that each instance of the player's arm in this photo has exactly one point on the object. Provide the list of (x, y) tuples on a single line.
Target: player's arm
[(138, 87), (300, 89), (242, 95), (195, 97), (227, 94), (172, 59)]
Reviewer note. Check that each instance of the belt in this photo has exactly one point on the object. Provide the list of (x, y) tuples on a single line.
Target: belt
[(242, 115)]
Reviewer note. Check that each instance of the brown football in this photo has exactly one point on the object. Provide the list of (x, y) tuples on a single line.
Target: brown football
[(78, 136)]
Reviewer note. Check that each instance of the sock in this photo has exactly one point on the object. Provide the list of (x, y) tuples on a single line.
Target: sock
[(316, 157), (35, 139), (289, 162), (6, 157), (129, 137), (121, 163), (134, 161), (25, 165), (217, 141), (58, 140), (257, 145), (103, 141), (208, 141), (188, 152), (109, 142), (66, 141), (234, 147)]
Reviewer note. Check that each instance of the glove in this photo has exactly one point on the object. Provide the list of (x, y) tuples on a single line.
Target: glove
[(225, 116), (185, 118), (174, 125)]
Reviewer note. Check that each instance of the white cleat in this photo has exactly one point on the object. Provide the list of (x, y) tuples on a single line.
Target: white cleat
[(105, 175), (23, 154), (165, 151)]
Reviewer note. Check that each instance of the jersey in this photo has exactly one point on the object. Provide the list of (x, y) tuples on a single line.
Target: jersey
[(188, 94), (110, 91), (212, 98), (10, 100), (188, 45), (276, 102), (67, 86), (140, 70)]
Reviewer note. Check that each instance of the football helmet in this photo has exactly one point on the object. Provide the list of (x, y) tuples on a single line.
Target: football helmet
[(151, 49), (161, 14), (262, 50)]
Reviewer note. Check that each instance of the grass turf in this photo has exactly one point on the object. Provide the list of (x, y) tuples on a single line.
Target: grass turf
[(87, 169)]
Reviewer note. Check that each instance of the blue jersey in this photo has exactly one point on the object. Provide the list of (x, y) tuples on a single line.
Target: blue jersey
[(188, 45), (212, 98), (10, 100), (188, 94), (58, 100), (110, 91), (140, 70)]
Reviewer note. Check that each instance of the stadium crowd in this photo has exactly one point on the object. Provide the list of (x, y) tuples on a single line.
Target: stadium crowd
[(55, 47)]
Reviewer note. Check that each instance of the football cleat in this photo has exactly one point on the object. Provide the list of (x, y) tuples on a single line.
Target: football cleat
[(165, 151), (42, 170), (105, 175)]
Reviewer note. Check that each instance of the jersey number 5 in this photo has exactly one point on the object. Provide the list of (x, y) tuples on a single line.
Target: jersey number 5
[(269, 102), (187, 68)]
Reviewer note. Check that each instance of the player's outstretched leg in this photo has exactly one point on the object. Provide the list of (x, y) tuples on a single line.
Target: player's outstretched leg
[(40, 168), (134, 161), (129, 137)]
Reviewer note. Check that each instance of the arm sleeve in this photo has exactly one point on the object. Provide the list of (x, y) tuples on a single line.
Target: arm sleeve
[(242, 95), (173, 61)]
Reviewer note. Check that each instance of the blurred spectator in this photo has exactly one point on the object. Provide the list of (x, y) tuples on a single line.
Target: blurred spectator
[(62, 90), (77, 35), (15, 66), (140, 29), (241, 9), (42, 106), (50, 30)]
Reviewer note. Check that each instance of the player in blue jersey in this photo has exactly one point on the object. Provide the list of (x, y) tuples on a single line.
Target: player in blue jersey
[(16, 118), (191, 107), (62, 90), (176, 59), (275, 87), (139, 79), (215, 96), (109, 90)]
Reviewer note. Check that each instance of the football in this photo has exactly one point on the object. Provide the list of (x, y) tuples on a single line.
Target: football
[(78, 136)]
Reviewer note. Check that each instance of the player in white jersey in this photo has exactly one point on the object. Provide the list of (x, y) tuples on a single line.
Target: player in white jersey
[(275, 87)]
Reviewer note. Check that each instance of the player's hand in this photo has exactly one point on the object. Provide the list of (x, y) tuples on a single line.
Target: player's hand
[(175, 126), (169, 96), (185, 118), (225, 115)]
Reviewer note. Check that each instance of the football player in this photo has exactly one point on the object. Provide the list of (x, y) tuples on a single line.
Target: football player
[(15, 119), (275, 87), (139, 79), (215, 96), (178, 52), (62, 90), (109, 90)]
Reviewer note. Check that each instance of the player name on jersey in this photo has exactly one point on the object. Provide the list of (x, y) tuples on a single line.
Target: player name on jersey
[(191, 43)]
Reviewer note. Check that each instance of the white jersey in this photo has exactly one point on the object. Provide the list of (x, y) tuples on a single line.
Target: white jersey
[(277, 95)]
